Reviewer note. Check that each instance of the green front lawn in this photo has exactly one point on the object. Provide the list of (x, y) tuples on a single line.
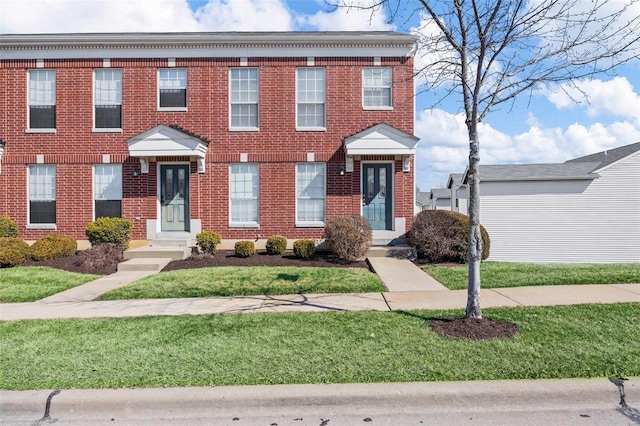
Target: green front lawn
[(331, 347), (507, 274), (31, 283), (245, 281)]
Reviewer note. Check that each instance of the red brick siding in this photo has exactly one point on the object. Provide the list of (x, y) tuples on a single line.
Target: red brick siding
[(74, 148)]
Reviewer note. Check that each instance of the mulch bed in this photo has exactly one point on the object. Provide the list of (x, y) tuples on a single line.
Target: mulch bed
[(474, 329), (228, 258)]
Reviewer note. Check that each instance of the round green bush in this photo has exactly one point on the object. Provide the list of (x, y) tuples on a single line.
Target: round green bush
[(443, 236), (245, 248), (207, 242), (348, 237), (304, 249), (110, 230), (54, 246), (13, 251), (276, 244), (8, 227)]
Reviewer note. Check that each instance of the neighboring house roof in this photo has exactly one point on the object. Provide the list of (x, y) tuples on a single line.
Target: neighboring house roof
[(440, 193), (608, 157), (578, 168), (455, 179), (423, 198)]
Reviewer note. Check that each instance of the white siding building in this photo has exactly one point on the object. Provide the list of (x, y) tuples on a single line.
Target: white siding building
[(585, 210)]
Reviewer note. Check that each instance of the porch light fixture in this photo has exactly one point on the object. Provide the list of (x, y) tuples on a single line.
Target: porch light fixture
[(341, 170)]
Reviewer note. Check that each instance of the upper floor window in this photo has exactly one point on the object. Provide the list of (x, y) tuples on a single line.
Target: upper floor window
[(172, 88), (243, 192), (107, 99), (42, 195), (376, 88), (243, 95), (310, 194), (107, 190), (310, 92), (42, 99)]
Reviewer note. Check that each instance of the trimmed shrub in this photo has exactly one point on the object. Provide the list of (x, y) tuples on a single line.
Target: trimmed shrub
[(8, 227), (348, 237), (110, 230), (245, 248), (13, 251), (54, 246), (443, 236), (304, 249), (207, 242), (276, 244)]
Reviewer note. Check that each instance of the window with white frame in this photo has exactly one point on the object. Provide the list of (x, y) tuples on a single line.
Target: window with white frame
[(376, 87), (310, 194), (243, 194), (243, 94), (107, 190), (42, 99), (310, 93), (172, 88), (107, 98), (42, 194)]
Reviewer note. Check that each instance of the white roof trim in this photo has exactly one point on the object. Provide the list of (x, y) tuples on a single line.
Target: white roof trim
[(381, 139), (162, 141), (206, 45)]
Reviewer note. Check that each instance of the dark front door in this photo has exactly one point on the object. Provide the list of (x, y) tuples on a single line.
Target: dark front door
[(174, 197), (377, 195)]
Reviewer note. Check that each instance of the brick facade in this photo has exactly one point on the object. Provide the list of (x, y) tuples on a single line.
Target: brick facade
[(276, 147)]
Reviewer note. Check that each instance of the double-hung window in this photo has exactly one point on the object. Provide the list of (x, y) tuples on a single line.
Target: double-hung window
[(42, 194), (107, 190), (310, 95), (243, 95), (243, 193), (42, 99), (376, 88), (172, 89), (310, 194), (107, 99)]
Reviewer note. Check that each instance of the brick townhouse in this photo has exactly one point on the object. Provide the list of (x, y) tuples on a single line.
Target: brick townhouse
[(246, 134)]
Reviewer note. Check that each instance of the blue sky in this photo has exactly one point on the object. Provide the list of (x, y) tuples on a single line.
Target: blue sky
[(548, 127)]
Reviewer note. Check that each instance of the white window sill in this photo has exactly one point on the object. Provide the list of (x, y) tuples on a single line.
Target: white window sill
[(244, 129), (42, 226), (248, 225), (172, 109), (377, 108), (106, 130), (310, 224), (311, 129), (40, 131)]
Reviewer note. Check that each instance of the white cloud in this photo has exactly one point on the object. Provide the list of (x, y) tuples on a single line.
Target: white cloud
[(444, 148), (48, 16), (245, 15), (614, 97), (350, 17)]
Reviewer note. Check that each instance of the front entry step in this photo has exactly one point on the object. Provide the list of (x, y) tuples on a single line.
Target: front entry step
[(147, 252), (142, 264)]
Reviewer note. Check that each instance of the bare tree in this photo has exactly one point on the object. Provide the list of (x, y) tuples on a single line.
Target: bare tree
[(489, 52)]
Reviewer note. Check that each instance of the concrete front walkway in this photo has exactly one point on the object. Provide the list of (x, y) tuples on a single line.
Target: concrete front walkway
[(408, 288)]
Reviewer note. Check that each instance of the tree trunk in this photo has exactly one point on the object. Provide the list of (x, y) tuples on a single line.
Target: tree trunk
[(475, 238)]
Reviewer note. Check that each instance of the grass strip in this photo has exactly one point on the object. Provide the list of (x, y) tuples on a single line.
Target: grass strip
[(247, 281), (333, 347), (31, 283), (512, 274)]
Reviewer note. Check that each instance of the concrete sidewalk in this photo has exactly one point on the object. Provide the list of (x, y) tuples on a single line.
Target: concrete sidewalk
[(408, 288)]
